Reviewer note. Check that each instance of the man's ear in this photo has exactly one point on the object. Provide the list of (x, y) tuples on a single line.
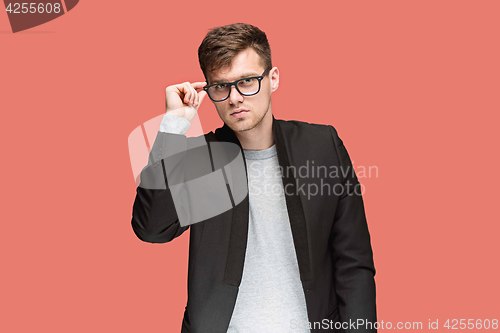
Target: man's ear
[(274, 77)]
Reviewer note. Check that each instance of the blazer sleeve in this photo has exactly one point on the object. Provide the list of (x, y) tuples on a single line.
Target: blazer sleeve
[(352, 251), (154, 217)]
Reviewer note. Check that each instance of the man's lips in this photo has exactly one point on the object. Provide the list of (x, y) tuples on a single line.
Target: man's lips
[(238, 113)]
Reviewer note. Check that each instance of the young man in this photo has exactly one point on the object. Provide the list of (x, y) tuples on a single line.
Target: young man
[(283, 259)]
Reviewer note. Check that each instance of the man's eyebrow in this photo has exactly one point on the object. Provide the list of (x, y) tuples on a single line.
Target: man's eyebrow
[(239, 77)]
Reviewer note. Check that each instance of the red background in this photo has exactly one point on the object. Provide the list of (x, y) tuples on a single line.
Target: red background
[(411, 87)]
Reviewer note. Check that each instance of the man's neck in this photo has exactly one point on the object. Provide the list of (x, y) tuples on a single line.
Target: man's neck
[(260, 137)]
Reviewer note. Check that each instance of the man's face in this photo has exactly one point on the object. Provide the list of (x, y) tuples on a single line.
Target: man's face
[(255, 108)]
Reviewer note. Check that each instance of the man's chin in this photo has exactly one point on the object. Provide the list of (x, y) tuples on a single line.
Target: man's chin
[(240, 125)]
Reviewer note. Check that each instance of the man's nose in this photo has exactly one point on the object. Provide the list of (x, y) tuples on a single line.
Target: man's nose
[(235, 96)]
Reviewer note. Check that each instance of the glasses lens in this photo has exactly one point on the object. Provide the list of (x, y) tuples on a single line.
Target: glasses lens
[(218, 91), (249, 86)]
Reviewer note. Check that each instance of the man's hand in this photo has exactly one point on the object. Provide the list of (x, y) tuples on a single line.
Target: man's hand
[(184, 99)]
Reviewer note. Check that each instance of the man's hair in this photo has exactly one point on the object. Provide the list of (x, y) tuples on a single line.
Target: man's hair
[(222, 44)]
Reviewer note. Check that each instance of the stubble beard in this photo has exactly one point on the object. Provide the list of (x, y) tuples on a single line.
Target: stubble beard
[(251, 126)]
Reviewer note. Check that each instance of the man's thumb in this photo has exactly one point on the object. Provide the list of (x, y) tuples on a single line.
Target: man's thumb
[(201, 95)]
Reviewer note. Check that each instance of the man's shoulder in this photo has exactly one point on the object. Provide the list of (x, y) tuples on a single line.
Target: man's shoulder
[(300, 129), (302, 125)]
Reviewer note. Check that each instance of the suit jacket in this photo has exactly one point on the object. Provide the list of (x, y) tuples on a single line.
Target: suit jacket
[(330, 234)]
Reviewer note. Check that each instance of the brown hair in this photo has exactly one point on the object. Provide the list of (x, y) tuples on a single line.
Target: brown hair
[(222, 44)]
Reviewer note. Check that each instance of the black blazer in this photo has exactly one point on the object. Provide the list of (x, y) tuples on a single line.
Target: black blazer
[(330, 235)]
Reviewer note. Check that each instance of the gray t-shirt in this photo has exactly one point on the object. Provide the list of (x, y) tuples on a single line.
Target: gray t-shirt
[(270, 297)]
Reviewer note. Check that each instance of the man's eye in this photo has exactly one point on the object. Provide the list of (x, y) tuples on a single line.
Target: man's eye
[(220, 86), (247, 81)]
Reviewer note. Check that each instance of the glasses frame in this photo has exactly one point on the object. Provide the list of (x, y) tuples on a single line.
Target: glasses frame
[(235, 84)]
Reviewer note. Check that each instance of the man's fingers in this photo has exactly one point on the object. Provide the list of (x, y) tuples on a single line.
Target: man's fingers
[(195, 85), (198, 85), (194, 95), (197, 89), (201, 96), (188, 92)]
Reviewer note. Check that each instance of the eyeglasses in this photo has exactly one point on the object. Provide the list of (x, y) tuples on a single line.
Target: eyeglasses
[(248, 86)]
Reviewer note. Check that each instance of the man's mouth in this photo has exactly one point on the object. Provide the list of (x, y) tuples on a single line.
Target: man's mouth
[(239, 113)]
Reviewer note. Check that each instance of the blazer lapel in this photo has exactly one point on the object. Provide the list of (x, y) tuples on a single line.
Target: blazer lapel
[(239, 224), (293, 203)]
